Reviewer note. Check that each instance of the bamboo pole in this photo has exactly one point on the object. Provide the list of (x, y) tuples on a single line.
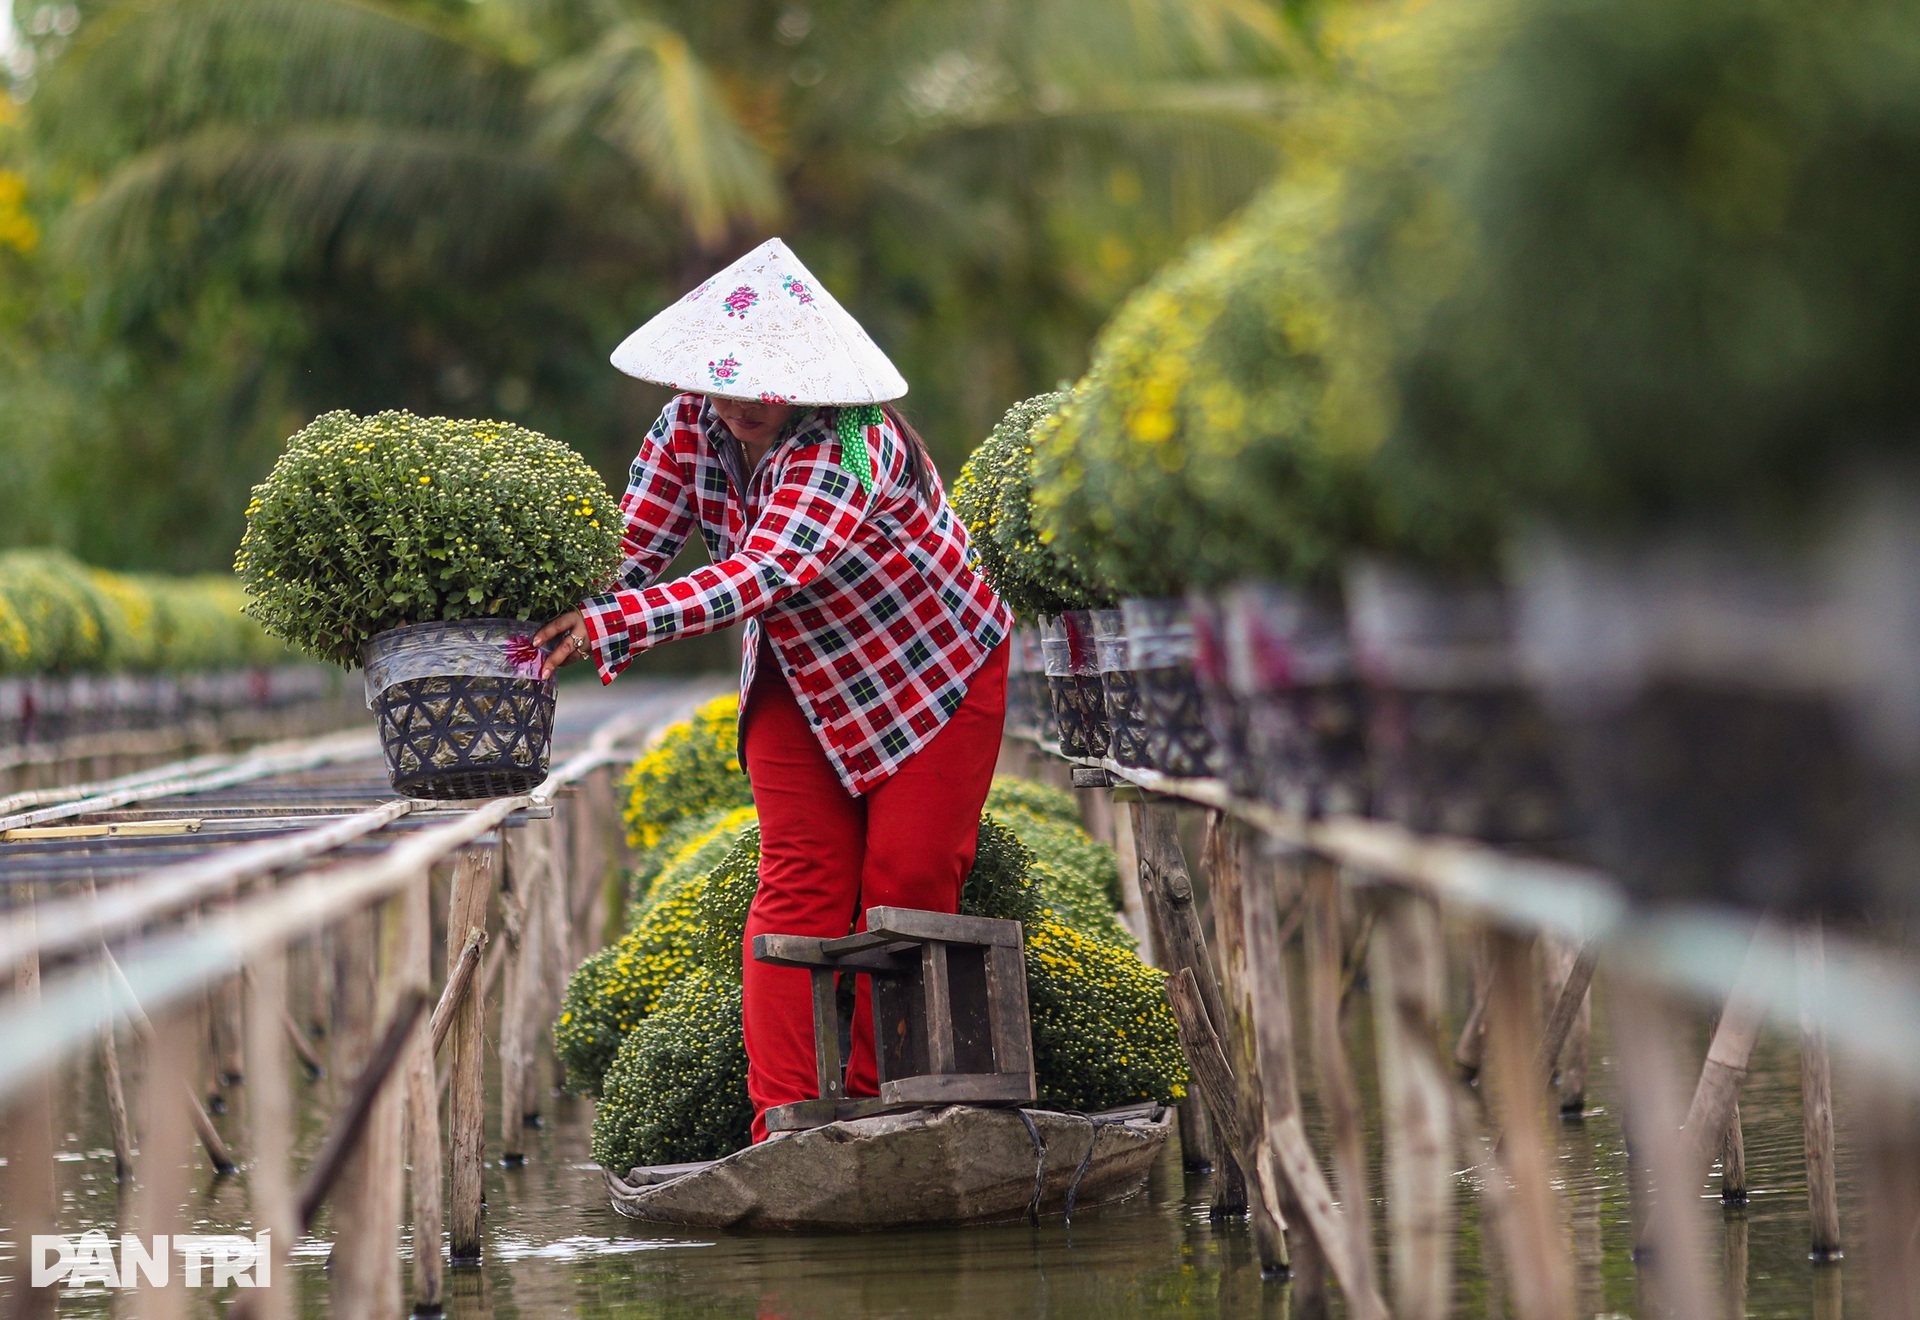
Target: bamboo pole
[(1725, 1068), (424, 1154), (270, 1127), (1339, 1095), (1538, 1252), (217, 1152), (1267, 975), (1229, 844), (1132, 905), (1816, 1102), (472, 895), (1890, 1169), (1733, 1268), (116, 1105), (1408, 971), (1574, 970), (1470, 1050), (558, 963)]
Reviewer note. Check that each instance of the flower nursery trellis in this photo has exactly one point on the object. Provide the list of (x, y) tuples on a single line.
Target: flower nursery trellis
[(227, 909), (1310, 897)]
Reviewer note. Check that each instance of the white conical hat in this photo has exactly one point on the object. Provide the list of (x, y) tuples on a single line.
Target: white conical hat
[(763, 328)]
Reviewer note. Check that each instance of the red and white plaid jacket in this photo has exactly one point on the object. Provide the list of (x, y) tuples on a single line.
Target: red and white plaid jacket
[(872, 604)]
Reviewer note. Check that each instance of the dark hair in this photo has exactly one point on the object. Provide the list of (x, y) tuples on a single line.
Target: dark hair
[(919, 462)]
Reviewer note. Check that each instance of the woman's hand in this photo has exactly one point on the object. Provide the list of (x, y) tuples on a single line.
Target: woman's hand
[(571, 628)]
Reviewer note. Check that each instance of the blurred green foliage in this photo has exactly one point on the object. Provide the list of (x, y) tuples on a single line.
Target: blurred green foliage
[(59, 616), (219, 218)]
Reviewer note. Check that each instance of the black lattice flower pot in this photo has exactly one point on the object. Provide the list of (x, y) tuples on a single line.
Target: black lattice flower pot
[(1160, 639), (1073, 682), (1126, 715), (1458, 743), (463, 711)]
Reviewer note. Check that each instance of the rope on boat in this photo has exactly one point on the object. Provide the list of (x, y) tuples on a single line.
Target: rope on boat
[(1039, 1167)]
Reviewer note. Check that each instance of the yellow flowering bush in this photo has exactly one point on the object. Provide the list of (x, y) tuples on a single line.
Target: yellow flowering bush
[(58, 616), (369, 523), (617, 987), (1103, 1035), (678, 1089), (1010, 792), (692, 770)]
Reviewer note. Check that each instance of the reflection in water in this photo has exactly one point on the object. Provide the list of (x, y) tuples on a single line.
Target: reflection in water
[(556, 1249)]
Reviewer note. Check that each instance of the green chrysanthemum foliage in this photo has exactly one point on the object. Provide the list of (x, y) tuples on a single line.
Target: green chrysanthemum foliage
[(692, 770), (1695, 288), (678, 1089), (1103, 1035), (1010, 792), (614, 989), (59, 616), (368, 523), (721, 907), (994, 497), (650, 862), (1082, 875)]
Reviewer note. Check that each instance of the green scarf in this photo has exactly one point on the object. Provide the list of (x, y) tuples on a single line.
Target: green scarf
[(852, 424)]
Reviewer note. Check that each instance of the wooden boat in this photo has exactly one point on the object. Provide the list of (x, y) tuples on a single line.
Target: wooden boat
[(961, 1164)]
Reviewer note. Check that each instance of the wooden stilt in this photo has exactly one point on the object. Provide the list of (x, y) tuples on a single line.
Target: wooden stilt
[(424, 1155), (523, 899), (1733, 1268), (1277, 880), (1229, 846), (1339, 1095), (32, 1196), (1408, 977), (1537, 1250), (116, 1105), (366, 1254), (1890, 1171), (217, 1152), (1670, 1229), (1733, 1162), (1196, 1134), (1725, 1068), (558, 964), (1573, 971), (166, 1137), (472, 895), (228, 1001), (1132, 905), (1816, 1102), (270, 1129), (1470, 1049), (1167, 890)]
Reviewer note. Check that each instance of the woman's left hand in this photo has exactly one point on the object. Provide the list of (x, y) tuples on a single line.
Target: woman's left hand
[(571, 628)]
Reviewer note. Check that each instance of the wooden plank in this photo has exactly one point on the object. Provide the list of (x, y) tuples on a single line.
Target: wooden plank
[(470, 899), (828, 1068), (803, 1114), (939, 1001), (960, 1089), (886, 925), (523, 897), (460, 978), (1407, 975), (1816, 1102), (1007, 1001)]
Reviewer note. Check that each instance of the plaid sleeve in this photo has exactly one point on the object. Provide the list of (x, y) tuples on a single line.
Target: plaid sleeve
[(657, 517), (809, 518)]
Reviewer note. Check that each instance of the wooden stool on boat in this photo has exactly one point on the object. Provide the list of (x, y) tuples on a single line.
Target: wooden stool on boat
[(949, 1013)]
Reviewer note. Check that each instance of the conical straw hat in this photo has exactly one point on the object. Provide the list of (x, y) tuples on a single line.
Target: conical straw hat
[(763, 328)]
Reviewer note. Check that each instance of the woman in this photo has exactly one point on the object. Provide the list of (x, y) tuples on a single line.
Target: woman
[(873, 688)]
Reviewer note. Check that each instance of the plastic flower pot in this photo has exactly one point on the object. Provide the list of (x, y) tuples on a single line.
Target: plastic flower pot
[(1039, 697), (1290, 663), (1126, 716), (1458, 744), (1742, 725), (1073, 681), (1160, 639), (1221, 704), (462, 708)]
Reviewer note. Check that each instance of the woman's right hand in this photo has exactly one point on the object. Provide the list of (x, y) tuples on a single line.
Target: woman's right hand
[(572, 646)]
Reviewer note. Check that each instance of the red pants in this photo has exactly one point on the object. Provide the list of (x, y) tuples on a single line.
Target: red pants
[(827, 856)]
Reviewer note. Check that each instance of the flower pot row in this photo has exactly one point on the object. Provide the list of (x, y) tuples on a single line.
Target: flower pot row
[(1706, 722)]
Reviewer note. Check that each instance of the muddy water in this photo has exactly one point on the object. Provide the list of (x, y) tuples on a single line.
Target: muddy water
[(555, 1249)]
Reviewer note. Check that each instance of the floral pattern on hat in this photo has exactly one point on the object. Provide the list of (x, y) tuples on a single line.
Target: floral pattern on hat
[(741, 301), (798, 288), (725, 371)]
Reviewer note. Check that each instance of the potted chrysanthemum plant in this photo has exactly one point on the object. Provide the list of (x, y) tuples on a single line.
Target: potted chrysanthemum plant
[(428, 551)]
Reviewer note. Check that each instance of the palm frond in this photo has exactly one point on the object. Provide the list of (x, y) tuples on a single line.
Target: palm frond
[(146, 73), (642, 90), (339, 198)]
